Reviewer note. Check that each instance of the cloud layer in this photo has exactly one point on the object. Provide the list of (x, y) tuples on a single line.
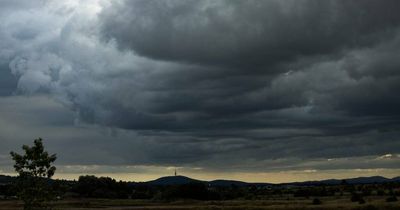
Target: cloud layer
[(224, 85)]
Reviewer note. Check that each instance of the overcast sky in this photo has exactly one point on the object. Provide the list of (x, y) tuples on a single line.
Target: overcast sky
[(273, 90)]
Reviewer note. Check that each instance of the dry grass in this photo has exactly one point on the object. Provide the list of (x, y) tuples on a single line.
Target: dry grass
[(328, 203)]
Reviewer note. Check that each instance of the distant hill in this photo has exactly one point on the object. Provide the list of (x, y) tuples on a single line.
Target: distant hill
[(396, 179), (226, 183), (359, 180), (367, 180), (179, 180), (172, 180)]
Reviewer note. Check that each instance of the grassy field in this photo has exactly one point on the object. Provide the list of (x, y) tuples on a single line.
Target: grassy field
[(328, 203)]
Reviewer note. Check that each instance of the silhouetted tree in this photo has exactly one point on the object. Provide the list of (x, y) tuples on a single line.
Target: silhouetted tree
[(34, 169)]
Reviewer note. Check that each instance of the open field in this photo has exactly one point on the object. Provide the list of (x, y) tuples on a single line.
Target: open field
[(328, 203)]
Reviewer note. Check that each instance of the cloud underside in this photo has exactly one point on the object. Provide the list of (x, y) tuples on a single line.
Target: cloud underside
[(231, 85)]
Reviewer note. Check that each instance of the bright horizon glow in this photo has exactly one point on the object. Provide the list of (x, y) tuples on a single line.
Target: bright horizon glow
[(271, 177)]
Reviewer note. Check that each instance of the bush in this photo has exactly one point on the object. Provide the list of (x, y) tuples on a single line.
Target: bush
[(101, 187), (196, 191), (316, 201), (356, 198), (380, 192), (370, 207), (391, 199)]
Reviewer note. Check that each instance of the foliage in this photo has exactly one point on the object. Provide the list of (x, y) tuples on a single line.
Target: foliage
[(361, 201), (316, 201), (103, 187), (34, 169), (356, 198), (194, 190), (370, 207), (313, 191), (391, 199)]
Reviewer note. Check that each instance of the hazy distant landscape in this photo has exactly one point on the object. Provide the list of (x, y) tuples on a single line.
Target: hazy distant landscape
[(180, 192)]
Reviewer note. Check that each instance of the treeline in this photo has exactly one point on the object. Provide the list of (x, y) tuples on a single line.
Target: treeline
[(105, 187)]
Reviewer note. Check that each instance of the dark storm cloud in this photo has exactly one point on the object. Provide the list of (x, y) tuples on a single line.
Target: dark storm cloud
[(276, 149), (248, 35), (255, 56), (228, 85)]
